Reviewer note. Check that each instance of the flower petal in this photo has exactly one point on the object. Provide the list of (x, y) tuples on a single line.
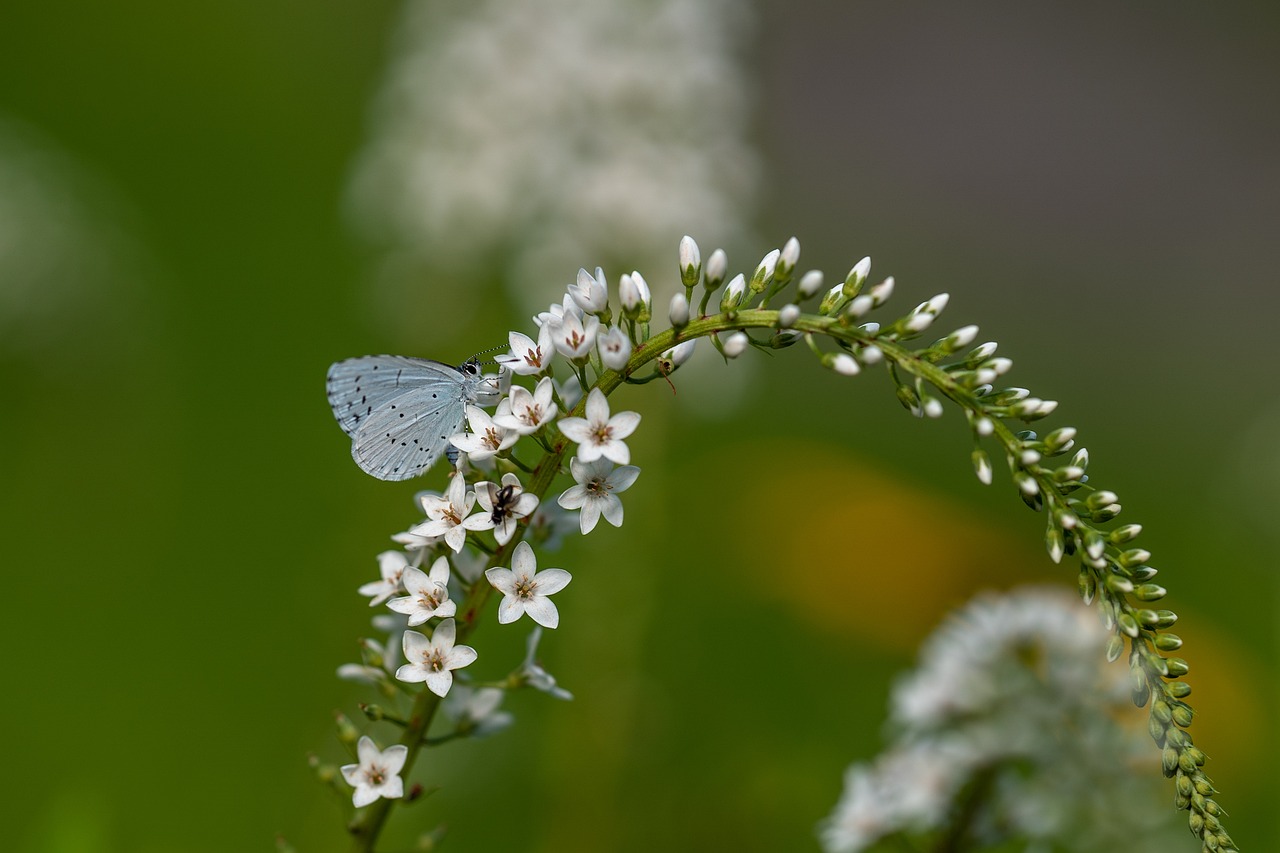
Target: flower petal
[(590, 515), (509, 610), (543, 611), (623, 424), (551, 581)]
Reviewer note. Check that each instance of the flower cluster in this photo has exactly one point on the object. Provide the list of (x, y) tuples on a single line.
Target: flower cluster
[(479, 536), (1012, 703)]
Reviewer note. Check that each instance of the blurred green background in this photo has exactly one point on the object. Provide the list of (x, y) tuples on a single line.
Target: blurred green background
[(1096, 187)]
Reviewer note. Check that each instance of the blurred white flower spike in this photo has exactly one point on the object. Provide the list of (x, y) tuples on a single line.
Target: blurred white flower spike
[(401, 412)]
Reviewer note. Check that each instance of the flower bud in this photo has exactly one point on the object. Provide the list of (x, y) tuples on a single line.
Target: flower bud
[(678, 313), (1087, 584), (690, 261), (789, 257), (733, 294), (881, 292), (856, 278), (764, 272), (810, 284), (679, 353), (982, 466), (736, 344), (716, 269), (788, 315), (841, 363)]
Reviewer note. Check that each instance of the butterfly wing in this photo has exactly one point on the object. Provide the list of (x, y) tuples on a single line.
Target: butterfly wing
[(358, 387), (408, 434)]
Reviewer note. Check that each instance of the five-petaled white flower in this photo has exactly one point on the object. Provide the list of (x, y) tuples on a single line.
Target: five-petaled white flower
[(433, 660), (501, 506), (598, 434), (596, 491), (525, 589), (428, 594), (392, 565), (574, 336), (528, 357), (377, 774), (529, 411), (446, 513), (485, 438)]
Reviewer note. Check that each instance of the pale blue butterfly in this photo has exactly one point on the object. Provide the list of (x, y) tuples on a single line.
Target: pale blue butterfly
[(400, 412)]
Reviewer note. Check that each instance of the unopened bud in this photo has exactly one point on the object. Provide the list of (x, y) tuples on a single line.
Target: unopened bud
[(715, 270), (690, 261), (678, 313), (736, 344)]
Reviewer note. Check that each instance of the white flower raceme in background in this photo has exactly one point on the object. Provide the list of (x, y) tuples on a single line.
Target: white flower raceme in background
[(524, 589), (596, 493), (480, 155), (378, 773), (434, 660), (1014, 703)]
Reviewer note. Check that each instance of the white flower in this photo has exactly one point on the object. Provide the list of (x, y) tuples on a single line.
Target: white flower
[(590, 294), (501, 506), (615, 348), (428, 594), (573, 336), (486, 438), (529, 411), (533, 675), (528, 357), (446, 513), (434, 660), (377, 774), (392, 565), (557, 311), (490, 169), (595, 493), (476, 710), (525, 590), (598, 434)]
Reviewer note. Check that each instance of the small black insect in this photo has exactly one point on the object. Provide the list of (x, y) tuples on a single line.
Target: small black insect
[(504, 500)]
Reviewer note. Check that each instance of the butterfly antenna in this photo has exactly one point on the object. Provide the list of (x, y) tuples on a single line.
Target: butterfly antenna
[(476, 357)]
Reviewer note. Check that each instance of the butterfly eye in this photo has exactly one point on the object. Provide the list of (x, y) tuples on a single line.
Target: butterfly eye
[(471, 368)]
